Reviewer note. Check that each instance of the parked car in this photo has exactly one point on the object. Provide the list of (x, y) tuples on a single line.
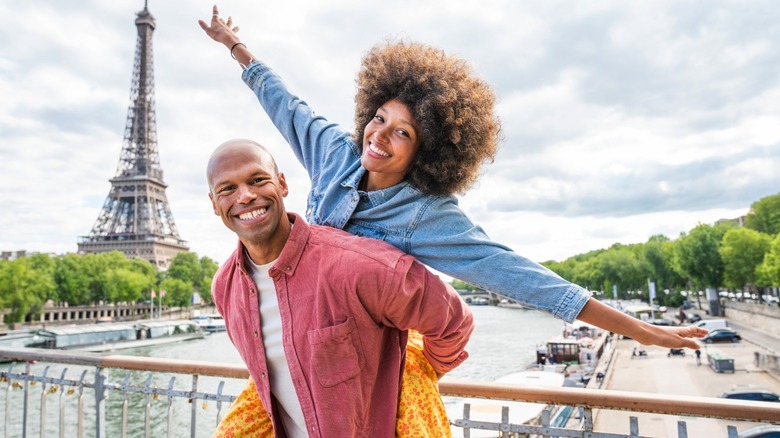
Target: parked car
[(721, 335), (693, 317), (753, 394)]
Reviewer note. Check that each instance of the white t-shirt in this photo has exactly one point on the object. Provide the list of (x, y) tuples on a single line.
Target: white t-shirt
[(278, 371)]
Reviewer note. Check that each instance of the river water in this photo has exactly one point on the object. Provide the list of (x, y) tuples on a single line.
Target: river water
[(504, 341)]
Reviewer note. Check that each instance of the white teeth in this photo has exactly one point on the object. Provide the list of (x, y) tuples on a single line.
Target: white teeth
[(252, 214), (377, 151)]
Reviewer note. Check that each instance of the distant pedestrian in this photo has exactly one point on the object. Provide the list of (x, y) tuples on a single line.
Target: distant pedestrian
[(698, 357)]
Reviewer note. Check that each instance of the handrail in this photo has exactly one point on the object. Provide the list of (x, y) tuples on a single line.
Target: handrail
[(591, 398), (126, 362), (620, 400)]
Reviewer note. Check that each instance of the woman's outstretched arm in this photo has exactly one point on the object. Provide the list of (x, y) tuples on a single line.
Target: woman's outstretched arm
[(224, 32), (601, 315)]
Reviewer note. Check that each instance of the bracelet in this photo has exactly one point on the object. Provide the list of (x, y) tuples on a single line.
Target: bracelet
[(234, 46)]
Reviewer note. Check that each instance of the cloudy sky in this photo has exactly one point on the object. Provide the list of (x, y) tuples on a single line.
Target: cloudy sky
[(621, 120)]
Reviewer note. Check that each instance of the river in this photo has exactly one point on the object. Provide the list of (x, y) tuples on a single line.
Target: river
[(504, 341)]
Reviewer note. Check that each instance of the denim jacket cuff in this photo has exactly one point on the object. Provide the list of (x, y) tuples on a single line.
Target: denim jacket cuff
[(571, 303), (253, 71)]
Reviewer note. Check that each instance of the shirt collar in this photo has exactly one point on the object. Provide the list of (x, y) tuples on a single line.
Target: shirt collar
[(291, 254), (353, 180), (376, 197)]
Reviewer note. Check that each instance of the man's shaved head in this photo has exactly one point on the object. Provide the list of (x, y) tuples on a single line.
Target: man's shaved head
[(232, 146)]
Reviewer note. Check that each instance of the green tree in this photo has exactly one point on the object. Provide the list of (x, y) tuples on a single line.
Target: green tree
[(25, 285), (126, 285), (697, 256), (97, 269), (208, 268), (177, 292), (71, 279), (659, 259), (185, 266), (742, 250), (769, 270), (44, 266), (764, 215), (197, 273), (621, 266)]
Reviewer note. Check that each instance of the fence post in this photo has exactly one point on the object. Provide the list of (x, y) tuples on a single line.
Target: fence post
[(194, 407), (43, 402), (26, 401), (100, 401)]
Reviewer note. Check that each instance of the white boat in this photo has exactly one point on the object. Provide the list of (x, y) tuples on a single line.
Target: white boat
[(115, 336), (491, 410), (211, 323), (572, 358)]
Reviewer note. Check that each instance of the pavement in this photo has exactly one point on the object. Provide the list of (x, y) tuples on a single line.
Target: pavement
[(660, 374)]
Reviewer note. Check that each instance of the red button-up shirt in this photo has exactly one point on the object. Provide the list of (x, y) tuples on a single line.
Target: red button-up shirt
[(346, 303)]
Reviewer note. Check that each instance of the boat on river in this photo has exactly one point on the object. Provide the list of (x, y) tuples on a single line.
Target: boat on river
[(211, 323), (574, 355), (120, 335)]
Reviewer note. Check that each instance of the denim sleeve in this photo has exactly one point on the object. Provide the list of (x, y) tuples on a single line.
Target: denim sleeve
[(309, 135), (446, 240)]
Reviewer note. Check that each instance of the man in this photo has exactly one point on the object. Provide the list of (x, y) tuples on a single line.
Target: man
[(318, 315)]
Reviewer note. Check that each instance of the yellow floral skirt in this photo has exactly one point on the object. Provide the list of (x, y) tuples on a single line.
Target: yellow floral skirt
[(421, 411)]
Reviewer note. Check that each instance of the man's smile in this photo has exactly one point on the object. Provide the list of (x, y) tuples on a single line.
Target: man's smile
[(252, 214)]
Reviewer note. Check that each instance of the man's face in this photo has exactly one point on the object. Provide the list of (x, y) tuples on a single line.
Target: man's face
[(247, 193)]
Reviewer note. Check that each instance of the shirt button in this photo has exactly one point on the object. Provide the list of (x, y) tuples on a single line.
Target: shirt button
[(255, 333), (251, 291), (262, 375), (288, 267)]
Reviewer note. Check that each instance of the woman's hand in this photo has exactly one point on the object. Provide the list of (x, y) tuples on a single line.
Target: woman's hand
[(219, 30), (671, 337)]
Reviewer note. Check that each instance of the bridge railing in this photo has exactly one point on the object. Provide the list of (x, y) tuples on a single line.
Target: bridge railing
[(138, 388)]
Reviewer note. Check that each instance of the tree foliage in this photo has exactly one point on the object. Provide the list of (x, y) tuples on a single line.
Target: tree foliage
[(742, 252), (769, 270), (195, 273), (697, 256), (27, 283), (764, 215)]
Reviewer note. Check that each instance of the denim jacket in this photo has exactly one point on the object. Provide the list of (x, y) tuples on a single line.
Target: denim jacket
[(431, 228)]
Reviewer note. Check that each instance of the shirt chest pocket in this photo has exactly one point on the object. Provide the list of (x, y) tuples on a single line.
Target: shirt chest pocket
[(336, 352)]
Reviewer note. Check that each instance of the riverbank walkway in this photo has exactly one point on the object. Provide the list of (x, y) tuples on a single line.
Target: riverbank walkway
[(680, 376)]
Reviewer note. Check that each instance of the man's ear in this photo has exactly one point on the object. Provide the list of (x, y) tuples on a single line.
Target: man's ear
[(283, 184), (213, 204)]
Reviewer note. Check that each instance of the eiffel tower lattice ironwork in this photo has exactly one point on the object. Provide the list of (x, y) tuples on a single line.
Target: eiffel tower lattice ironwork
[(136, 218)]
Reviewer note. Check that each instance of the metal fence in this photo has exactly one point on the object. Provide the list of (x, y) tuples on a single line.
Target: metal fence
[(140, 388), (133, 384)]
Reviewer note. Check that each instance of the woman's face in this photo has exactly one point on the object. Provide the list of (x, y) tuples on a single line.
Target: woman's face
[(390, 143)]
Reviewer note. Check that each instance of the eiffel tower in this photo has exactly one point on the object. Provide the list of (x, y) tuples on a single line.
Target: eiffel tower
[(136, 218)]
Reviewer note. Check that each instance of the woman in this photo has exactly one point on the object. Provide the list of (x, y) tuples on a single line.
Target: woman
[(424, 125)]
